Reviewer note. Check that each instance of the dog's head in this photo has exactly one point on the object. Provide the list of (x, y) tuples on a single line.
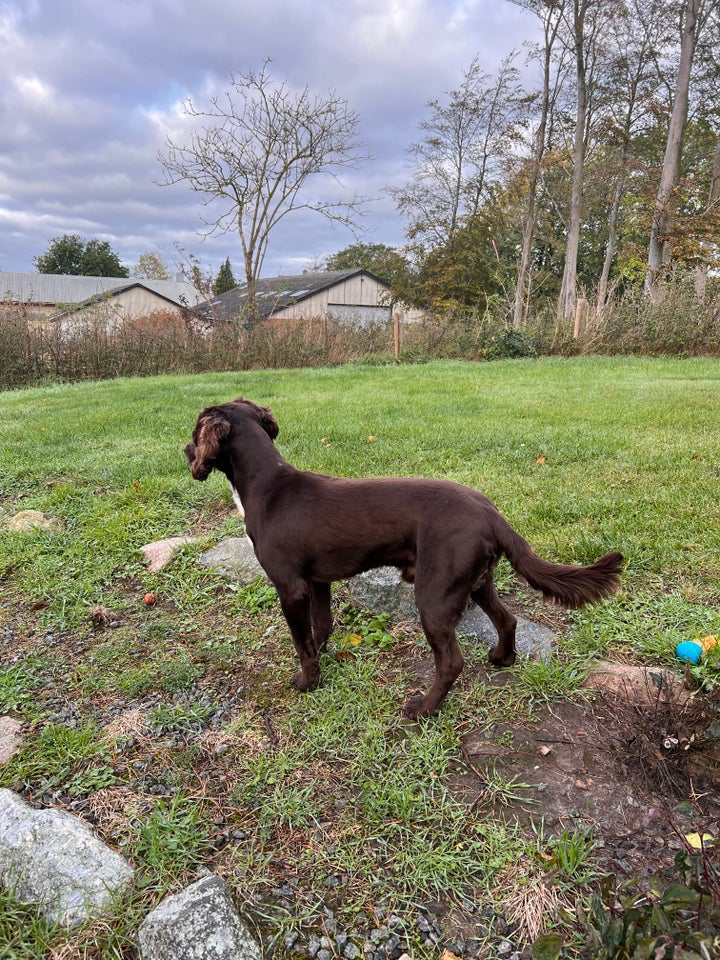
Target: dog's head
[(216, 426)]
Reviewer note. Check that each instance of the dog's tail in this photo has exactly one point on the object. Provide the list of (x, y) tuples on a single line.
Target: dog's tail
[(562, 583)]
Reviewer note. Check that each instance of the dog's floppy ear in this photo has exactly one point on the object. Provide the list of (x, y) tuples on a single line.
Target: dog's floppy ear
[(268, 422), (212, 427)]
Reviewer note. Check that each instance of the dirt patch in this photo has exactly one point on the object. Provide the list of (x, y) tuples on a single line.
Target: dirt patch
[(637, 765)]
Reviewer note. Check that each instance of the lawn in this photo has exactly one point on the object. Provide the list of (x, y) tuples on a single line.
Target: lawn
[(173, 728)]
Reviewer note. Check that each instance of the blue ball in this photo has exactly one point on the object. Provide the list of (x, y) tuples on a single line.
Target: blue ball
[(689, 650)]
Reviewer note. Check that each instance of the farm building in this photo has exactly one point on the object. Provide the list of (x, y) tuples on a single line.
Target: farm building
[(346, 296), (56, 296)]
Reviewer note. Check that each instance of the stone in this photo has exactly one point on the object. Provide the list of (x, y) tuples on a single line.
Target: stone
[(160, 553), (28, 521), (199, 923), (53, 860), (383, 591), (642, 685), (9, 738), (235, 559)]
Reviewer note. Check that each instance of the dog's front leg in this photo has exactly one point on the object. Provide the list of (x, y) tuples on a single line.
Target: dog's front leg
[(448, 666), (295, 603)]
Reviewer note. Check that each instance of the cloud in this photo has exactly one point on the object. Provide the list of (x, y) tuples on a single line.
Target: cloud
[(94, 89)]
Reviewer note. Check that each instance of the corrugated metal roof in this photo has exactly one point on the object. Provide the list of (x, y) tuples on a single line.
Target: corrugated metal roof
[(48, 288), (274, 293)]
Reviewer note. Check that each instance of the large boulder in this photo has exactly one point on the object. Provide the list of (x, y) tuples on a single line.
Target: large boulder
[(53, 860), (383, 591), (234, 558), (199, 923)]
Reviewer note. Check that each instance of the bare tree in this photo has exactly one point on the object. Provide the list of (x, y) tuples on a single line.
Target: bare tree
[(253, 155), (659, 249), (465, 142)]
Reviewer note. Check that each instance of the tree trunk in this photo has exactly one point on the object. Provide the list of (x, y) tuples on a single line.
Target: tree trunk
[(522, 284), (659, 248), (250, 302), (701, 273), (568, 290)]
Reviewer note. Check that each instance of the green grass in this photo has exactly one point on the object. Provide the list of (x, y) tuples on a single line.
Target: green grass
[(582, 456)]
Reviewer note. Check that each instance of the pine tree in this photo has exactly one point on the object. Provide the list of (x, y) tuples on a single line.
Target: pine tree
[(225, 280)]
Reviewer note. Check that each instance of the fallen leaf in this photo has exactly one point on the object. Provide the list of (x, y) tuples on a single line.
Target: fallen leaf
[(447, 955), (697, 841)]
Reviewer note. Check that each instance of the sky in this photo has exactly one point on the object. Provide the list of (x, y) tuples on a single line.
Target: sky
[(89, 92)]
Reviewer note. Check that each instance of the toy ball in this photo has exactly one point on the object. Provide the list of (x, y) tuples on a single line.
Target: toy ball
[(692, 650)]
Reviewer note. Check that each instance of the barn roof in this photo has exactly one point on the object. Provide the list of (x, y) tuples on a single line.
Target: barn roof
[(50, 288), (274, 293)]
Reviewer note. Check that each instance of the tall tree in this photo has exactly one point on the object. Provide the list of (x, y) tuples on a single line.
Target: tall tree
[(100, 260), (550, 15), (63, 255), (659, 248), (255, 151), (384, 261), (70, 254), (225, 280), (580, 31), (637, 34), (466, 140)]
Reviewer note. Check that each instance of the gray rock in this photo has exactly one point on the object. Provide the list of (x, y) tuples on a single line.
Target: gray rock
[(383, 591), (199, 923), (9, 738), (234, 558), (28, 521), (51, 859)]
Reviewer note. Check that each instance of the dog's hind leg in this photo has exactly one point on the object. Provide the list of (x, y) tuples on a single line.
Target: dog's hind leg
[(296, 605), (503, 653), (320, 614), (439, 617)]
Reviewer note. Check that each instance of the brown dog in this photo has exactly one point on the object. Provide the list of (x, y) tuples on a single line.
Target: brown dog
[(309, 530)]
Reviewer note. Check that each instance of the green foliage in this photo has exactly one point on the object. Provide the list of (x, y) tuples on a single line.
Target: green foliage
[(170, 840), (660, 920), (70, 254), (257, 596), (385, 262), (225, 280), (150, 266), (510, 344), (186, 717), (364, 627), (18, 684), (76, 760)]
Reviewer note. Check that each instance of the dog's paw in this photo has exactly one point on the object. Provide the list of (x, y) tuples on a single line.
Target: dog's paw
[(497, 659), (305, 681), (416, 707)]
